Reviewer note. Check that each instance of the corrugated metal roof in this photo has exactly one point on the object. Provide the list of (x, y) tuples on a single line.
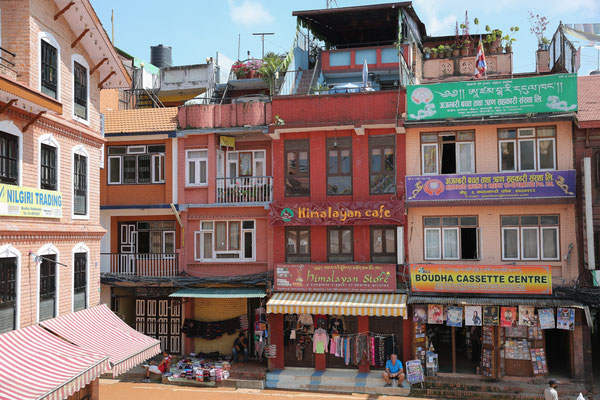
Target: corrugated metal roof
[(495, 301), (221, 292)]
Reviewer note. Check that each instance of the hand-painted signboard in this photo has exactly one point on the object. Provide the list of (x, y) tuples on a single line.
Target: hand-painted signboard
[(335, 278), (499, 279), (516, 185), (20, 201), (340, 213), (540, 94)]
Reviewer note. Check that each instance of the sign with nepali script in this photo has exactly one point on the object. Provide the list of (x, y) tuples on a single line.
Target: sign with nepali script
[(335, 278), (486, 279), (476, 98), (339, 213), (514, 185), (19, 201)]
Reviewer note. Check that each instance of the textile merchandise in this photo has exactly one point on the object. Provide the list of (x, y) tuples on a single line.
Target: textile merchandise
[(210, 330)]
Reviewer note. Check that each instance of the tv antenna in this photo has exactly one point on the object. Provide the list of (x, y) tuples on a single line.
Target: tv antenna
[(262, 34)]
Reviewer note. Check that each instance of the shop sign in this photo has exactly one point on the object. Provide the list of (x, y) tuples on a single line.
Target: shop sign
[(335, 278), (485, 279), (414, 372), (516, 185), (20, 201), (338, 213), (541, 94)]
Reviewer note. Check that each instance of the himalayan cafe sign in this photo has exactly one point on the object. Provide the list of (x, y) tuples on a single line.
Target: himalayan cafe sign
[(335, 278), (339, 213)]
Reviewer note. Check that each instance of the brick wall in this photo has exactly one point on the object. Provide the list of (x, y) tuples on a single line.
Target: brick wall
[(224, 115)]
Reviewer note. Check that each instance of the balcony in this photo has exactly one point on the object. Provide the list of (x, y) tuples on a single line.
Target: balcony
[(7, 64), (140, 264), (456, 68), (254, 189)]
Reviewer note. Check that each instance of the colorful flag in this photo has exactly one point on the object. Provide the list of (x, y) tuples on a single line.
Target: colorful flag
[(480, 64)]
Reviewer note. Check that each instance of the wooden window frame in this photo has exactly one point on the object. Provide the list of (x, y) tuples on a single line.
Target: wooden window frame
[(297, 257), (386, 255), (340, 257), (382, 143), (297, 146), (338, 145), (535, 138)]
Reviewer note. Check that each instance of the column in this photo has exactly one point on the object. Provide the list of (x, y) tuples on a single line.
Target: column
[(363, 326)]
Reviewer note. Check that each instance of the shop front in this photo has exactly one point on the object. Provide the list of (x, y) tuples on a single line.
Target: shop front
[(493, 321), (336, 316)]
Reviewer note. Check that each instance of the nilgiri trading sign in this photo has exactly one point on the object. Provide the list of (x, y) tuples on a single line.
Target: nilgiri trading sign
[(476, 98), (338, 213), (335, 278), (19, 201), (486, 279)]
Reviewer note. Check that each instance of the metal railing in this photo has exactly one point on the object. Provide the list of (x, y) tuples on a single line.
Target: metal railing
[(249, 189), (289, 82), (7, 62), (141, 264)]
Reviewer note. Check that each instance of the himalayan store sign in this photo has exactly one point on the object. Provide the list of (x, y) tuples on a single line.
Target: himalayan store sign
[(340, 213), (486, 279), (542, 94), (335, 278), (20, 201), (518, 185)]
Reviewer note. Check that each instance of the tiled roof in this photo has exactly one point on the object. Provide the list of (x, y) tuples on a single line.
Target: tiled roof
[(141, 120), (588, 98)]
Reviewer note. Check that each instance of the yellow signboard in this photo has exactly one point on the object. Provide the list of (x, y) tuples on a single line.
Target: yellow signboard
[(20, 201)]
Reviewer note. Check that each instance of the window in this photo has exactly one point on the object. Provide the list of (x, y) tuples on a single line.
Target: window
[(245, 163), (197, 168), (341, 243), (9, 157), (297, 168), (297, 244), (153, 237), (80, 83), (49, 64), (448, 152), (382, 165), (80, 184), (48, 176), (47, 287), (225, 241), (527, 149), (8, 294), (339, 166), (130, 165), (451, 238), (383, 244), (80, 281), (530, 237)]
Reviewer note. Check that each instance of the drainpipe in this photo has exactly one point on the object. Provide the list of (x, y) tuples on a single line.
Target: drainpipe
[(589, 217)]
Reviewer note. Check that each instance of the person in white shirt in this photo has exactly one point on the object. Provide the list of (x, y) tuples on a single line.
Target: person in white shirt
[(550, 393)]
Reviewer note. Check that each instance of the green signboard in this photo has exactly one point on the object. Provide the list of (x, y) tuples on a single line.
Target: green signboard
[(476, 98)]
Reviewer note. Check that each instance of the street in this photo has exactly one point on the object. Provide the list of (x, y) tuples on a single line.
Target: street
[(116, 390)]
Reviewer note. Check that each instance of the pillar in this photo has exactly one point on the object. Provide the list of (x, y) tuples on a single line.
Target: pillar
[(95, 389), (577, 353), (407, 344), (276, 323), (363, 326), (188, 312)]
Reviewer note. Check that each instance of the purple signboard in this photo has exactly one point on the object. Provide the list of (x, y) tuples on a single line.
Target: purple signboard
[(513, 185)]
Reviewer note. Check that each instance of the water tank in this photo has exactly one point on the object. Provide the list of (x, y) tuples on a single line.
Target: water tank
[(160, 56)]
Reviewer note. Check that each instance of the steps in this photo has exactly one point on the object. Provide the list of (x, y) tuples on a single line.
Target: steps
[(304, 85), (332, 380)]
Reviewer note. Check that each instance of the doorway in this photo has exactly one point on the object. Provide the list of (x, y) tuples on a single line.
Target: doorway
[(558, 351)]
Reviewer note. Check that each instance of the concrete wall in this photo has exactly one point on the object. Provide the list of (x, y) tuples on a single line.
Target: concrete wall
[(224, 115)]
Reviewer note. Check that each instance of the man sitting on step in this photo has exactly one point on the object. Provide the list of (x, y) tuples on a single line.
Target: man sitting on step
[(393, 370)]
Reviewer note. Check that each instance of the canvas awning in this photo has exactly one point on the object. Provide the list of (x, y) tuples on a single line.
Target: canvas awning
[(372, 304), (35, 364), (98, 328), (221, 293)]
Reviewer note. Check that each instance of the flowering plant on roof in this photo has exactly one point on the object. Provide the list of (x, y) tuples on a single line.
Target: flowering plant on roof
[(240, 69), (254, 64)]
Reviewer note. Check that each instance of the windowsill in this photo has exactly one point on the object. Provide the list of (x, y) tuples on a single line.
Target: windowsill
[(196, 186), (225, 260), (81, 120), (135, 184), (80, 217)]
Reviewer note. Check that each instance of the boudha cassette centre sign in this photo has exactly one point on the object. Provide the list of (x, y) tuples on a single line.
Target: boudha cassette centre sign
[(487, 279), (476, 98), (335, 278), (339, 213)]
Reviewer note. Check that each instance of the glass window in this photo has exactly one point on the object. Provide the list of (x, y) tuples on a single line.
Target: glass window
[(197, 162), (48, 177), (80, 282), (550, 243), (80, 185), (114, 169), (47, 288), (132, 165), (451, 238), (231, 240), (529, 243), (49, 69), (8, 294), (508, 156), (297, 170), (80, 93), (448, 152), (530, 149), (382, 164), (339, 166), (297, 244), (9, 159), (432, 244), (450, 241), (530, 237), (510, 243), (383, 244), (340, 244)]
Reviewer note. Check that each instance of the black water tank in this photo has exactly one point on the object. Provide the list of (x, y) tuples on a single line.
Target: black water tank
[(160, 56)]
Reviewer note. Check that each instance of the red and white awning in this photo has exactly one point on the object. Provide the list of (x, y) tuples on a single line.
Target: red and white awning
[(35, 364), (100, 329)]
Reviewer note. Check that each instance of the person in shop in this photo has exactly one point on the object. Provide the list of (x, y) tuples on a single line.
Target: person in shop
[(163, 367), (550, 393), (393, 370), (240, 345)]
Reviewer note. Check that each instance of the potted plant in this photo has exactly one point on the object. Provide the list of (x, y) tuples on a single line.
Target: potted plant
[(545, 44), (456, 50), (427, 53), (466, 49), (320, 88), (434, 52), (254, 67), (538, 24), (493, 38), (508, 40), (441, 51), (240, 69), (448, 51)]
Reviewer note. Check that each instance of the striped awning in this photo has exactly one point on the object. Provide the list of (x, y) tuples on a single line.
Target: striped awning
[(372, 304), (100, 329), (35, 364)]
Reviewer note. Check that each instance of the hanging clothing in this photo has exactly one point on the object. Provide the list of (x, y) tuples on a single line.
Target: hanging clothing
[(336, 325), (320, 341)]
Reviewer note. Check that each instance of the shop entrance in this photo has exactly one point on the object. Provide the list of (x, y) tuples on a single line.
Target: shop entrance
[(558, 352), (160, 319), (467, 348)]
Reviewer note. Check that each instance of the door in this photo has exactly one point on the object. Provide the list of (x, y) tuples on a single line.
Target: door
[(160, 318), (127, 248)]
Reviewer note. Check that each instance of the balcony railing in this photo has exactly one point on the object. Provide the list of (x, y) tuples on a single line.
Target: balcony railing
[(141, 264), (249, 189), (7, 63)]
